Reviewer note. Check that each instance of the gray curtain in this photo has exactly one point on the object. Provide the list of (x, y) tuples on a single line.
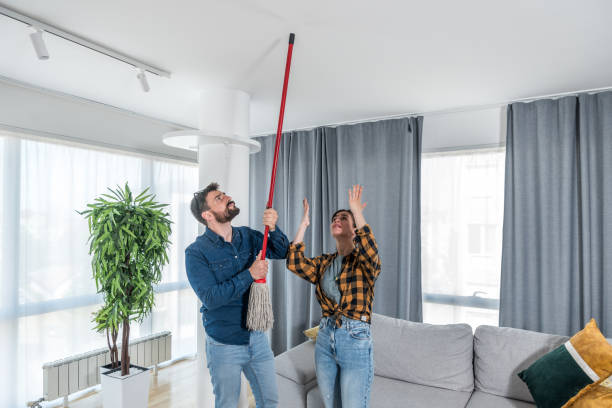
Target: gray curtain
[(557, 239), (321, 165)]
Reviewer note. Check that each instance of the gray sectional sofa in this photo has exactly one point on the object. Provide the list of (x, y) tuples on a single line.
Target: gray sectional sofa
[(424, 365)]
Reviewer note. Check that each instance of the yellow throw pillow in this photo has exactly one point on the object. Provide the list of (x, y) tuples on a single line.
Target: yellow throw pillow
[(312, 333), (597, 396), (594, 349)]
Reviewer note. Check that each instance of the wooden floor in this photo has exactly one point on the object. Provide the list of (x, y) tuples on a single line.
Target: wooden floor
[(182, 384)]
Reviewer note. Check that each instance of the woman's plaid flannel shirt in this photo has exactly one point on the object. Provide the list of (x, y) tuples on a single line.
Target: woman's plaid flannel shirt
[(359, 271)]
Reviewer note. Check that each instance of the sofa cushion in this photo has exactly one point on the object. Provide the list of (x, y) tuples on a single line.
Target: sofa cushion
[(500, 353), (481, 399), (388, 393), (314, 399), (291, 394), (426, 354), (297, 364)]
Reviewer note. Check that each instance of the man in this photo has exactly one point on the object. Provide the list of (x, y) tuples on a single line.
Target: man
[(221, 265)]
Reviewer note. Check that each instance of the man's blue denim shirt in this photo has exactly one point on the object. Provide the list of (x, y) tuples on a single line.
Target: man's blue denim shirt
[(218, 272)]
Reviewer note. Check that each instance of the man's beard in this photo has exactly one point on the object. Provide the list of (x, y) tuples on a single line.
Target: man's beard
[(228, 215)]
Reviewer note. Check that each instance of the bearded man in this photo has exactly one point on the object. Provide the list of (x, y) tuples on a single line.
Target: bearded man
[(221, 265)]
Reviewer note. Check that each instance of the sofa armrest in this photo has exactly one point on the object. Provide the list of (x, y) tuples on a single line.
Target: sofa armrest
[(297, 364)]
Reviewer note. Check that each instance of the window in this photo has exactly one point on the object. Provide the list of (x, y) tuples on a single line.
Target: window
[(462, 197), (47, 294)]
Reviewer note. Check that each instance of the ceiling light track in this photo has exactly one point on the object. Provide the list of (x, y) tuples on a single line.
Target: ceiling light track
[(40, 26)]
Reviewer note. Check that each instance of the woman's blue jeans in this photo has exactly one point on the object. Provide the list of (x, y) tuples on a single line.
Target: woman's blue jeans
[(344, 362)]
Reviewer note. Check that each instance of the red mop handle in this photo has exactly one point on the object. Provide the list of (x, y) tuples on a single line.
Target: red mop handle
[(279, 132)]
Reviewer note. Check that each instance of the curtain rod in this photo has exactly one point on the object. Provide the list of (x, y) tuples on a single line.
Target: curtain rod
[(458, 109), (81, 41)]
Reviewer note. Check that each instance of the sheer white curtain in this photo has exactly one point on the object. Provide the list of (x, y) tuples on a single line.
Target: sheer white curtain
[(47, 294), (462, 199)]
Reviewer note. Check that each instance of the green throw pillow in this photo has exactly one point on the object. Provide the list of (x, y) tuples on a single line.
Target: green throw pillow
[(560, 375)]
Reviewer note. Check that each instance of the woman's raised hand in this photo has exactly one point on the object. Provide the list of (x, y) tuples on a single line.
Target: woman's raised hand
[(355, 199), (306, 217), (299, 235)]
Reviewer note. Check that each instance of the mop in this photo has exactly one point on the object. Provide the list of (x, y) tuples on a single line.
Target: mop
[(260, 315)]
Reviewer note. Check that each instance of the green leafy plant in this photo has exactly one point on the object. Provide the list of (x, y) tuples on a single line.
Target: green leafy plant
[(129, 240)]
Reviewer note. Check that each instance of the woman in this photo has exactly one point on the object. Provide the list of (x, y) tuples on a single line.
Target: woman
[(345, 289)]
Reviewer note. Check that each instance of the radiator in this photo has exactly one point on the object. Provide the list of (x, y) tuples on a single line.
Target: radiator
[(63, 377)]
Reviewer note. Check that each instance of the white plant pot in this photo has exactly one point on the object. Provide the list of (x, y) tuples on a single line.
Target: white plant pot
[(129, 391)]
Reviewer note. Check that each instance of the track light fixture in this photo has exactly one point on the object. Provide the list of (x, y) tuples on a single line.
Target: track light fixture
[(41, 49), (39, 44), (142, 77)]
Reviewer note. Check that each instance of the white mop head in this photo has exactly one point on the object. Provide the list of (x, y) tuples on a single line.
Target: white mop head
[(259, 315)]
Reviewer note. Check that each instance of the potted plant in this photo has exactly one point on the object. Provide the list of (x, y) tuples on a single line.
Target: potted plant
[(129, 239)]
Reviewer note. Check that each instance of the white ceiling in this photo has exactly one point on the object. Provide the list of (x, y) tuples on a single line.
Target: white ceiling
[(353, 59)]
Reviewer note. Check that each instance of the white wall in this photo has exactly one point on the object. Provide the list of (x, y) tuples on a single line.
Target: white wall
[(46, 113), (449, 131)]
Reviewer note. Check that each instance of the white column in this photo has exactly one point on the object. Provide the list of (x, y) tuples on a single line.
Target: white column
[(223, 147), (225, 112), (228, 165)]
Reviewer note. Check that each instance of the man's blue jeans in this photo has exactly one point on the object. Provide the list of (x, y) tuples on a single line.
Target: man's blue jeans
[(344, 362), (227, 361)]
